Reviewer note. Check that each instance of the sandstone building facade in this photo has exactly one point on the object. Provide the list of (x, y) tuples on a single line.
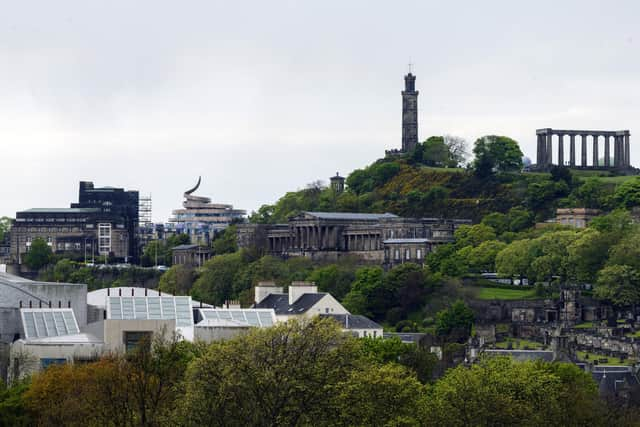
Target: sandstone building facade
[(384, 239)]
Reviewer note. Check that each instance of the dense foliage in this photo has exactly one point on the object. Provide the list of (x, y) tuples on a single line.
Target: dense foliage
[(304, 373)]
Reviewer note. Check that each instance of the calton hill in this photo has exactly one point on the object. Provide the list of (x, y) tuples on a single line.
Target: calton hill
[(515, 322)]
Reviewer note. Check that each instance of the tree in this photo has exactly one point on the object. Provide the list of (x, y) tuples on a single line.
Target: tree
[(519, 219), (457, 319), (496, 220), (473, 235), (435, 152), (282, 375), (496, 154), (458, 150), (501, 391), (515, 259), (378, 396), (226, 242), (215, 284), (368, 295), (627, 194), (592, 194), (39, 254), (139, 388), (483, 257), (334, 279), (178, 280), (588, 253), (619, 284), (13, 412), (625, 252)]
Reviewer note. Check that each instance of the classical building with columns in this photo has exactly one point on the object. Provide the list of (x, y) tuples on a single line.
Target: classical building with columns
[(375, 238), (595, 147)]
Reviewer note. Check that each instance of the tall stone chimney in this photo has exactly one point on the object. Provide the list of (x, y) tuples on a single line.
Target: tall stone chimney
[(297, 289), (264, 289)]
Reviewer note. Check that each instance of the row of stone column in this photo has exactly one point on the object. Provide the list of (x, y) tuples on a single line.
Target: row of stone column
[(362, 242), (314, 237), (621, 150)]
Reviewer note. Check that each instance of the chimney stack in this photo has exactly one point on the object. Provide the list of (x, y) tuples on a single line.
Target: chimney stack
[(264, 289), (297, 289)]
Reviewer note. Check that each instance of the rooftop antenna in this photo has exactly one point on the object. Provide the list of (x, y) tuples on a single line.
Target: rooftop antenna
[(410, 65)]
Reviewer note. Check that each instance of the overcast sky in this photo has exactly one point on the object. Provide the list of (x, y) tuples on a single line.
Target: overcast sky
[(263, 97)]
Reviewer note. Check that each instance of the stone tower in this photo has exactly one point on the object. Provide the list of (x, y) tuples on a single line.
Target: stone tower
[(337, 183), (409, 113)]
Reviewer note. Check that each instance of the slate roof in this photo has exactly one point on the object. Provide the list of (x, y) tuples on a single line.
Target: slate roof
[(611, 379), (183, 247), (406, 337), (353, 321), (523, 355), (351, 216), (280, 303)]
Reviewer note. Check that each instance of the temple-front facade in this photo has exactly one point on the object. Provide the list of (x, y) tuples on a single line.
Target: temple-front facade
[(384, 239)]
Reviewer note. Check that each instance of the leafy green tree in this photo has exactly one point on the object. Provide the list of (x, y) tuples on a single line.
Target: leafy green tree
[(496, 154), (215, 284), (625, 252), (592, 194), (618, 284), (13, 412), (496, 220), (473, 235), (519, 219), (588, 253), (435, 152), (368, 295), (226, 242), (515, 260), (39, 254), (455, 320), (284, 375), (483, 257), (334, 279), (617, 224), (178, 280), (627, 194), (381, 395), (500, 391)]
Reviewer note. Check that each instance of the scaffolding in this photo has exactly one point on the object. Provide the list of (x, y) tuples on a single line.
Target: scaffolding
[(144, 211)]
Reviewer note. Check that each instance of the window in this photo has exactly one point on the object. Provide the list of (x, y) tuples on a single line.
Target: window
[(419, 253), (133, 339), (326, 310), (396, 254), (46, 362), (407, 254), (104, 238)]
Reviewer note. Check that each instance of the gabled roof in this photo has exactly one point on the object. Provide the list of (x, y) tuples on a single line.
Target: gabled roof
[(280, 303), (353, 321), (612, 379), (351, 216)]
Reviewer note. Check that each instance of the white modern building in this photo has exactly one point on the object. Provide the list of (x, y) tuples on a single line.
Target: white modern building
[(201, 219)]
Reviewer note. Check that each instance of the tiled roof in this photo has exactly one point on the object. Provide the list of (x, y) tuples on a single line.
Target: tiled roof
[(353, 321)]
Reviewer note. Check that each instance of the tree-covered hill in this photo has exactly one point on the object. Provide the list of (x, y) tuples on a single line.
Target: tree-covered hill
[(431, 182)]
